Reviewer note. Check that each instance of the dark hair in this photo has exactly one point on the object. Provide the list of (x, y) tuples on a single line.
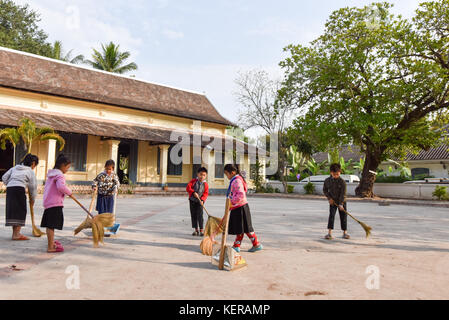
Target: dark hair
[(61, 160), (110, 163), (233, 168), (335, 167), (202, 169), (29, 159)]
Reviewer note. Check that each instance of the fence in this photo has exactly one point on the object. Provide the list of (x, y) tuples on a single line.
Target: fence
[(385, 190)]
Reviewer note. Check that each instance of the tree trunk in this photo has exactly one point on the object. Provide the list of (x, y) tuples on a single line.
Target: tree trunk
[(366, 185)]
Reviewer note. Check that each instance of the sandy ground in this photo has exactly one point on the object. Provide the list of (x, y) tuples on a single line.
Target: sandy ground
[(155, 256)]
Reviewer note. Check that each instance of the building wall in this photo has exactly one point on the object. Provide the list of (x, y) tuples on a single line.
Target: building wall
[(45, 103), (435, 167), (98, 150)]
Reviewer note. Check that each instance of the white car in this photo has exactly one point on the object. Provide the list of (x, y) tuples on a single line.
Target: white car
[(349, 178)]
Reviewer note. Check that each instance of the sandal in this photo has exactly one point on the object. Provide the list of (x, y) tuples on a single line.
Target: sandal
[(21, 238), (58, 249), (328, 237), (346, 236)]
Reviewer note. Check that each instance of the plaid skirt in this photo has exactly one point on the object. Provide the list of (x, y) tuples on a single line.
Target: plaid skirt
[(16, 207)]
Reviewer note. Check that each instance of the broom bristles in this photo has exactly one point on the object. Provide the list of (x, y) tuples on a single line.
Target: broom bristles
[(97, 224), (206, 246), (212, 226), (37, 232)]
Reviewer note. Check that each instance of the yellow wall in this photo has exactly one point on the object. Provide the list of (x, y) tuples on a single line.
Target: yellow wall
[(44, 103), (97, 150)]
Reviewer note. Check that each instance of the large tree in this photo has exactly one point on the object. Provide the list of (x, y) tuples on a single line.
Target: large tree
[(111, 59), (19, 29), (372, 79), (257, 95)]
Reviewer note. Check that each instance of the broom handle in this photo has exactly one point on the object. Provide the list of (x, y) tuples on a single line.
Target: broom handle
[(225, 232), (351, 215), (91, 207), (115, 201), (31, 211), (203, 206), (79, 203)]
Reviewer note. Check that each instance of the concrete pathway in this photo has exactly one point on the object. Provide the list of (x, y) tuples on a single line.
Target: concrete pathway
[(155, 257)]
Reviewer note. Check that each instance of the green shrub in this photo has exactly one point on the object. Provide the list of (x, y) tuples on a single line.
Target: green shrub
[(309, 188), (269, 189), (277, 190), (290, 189), (440, 193)]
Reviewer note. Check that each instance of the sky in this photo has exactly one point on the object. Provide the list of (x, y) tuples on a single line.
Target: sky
[(199, 45)]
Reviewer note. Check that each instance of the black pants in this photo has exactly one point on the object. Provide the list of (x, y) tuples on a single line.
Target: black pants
[(196, 213), (343, 217)]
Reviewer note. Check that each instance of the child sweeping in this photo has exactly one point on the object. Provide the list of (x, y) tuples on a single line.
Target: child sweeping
[(198, 190), (16, 180), (107, 184), (335, 190), (54, 193), (240, 216)]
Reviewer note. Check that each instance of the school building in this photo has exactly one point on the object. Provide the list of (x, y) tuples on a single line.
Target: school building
[(105, 116)]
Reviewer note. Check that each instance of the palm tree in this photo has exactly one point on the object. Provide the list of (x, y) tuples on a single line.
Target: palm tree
[(111, 59), (29, 133), (57, 53)]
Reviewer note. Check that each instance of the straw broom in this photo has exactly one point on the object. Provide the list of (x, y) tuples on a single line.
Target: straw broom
[(365, 227), (36, 231), (212, 226), (97, 224)]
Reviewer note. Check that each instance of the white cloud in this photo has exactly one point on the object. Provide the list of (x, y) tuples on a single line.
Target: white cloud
[(81, 28)]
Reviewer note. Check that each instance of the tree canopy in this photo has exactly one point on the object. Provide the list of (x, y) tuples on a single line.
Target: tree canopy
[(111, 59), (19, 29), (372, 79)]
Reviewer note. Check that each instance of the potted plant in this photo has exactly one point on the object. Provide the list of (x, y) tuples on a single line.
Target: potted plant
[(165, 187)]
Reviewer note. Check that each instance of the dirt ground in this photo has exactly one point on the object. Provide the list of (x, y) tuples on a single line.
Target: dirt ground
[(155, 256)]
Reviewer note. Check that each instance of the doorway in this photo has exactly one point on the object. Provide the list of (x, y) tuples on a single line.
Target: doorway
[(127, 161), (6, 159)]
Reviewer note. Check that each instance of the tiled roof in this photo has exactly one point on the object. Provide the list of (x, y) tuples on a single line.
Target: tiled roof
[(346, 152), (108, 129), (439, 153), (29, 72)]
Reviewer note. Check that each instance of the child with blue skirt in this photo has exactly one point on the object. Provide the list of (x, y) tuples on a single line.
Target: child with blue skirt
[(107, 183)]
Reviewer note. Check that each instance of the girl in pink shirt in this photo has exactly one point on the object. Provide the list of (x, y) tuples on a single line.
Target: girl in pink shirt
[(240, 216), (54, 192)]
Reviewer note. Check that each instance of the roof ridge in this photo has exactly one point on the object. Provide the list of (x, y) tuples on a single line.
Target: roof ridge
[(98, 70)]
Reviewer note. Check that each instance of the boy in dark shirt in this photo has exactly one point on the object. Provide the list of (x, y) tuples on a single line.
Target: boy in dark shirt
[(335, 190), (198, 190)]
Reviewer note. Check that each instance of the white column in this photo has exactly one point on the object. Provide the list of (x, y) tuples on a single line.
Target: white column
[(208, 162), (113, 151), (163, 163), (51, 155)]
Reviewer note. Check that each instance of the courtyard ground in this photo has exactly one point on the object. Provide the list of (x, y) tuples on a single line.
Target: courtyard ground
[(155, 256)]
